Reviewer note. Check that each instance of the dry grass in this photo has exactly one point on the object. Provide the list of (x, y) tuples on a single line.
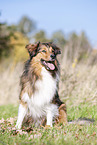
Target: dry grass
[(9, 84), (78, 84), (78, 87)]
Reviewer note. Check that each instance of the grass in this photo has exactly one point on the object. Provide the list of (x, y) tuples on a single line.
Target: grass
[(78, 87), (70, 134)]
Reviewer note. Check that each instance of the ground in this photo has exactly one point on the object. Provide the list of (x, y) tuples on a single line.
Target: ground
[(78, 88), (67, 134)]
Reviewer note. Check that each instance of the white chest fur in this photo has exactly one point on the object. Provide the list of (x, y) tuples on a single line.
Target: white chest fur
[(40, 102), (45, 89)]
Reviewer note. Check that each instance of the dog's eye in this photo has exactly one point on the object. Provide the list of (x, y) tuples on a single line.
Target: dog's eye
[(44, 51)]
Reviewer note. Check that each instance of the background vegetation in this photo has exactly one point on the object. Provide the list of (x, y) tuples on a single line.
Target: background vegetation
[(78, 84)]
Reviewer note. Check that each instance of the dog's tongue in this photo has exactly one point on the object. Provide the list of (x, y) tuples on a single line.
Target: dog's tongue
[(51, 66)]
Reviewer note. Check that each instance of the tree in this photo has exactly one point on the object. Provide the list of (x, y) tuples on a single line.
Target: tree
[(19, 52), (5, 34), (77, 47), (84, 42), (58, 38), (41, 36), (26, 25)]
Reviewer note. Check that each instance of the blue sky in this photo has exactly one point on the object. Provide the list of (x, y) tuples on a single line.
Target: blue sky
[(53, 15)]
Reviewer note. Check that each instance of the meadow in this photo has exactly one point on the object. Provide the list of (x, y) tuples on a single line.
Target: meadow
[(78, 88)]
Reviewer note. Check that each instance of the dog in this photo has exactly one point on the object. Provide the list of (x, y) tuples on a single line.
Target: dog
[(39, 86)]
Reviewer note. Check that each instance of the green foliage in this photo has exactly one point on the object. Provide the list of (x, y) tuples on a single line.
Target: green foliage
[(19, 52), (59, 39), (5, 46), (77, 47), (80, 41), (41, 36), (12, 43), (26, 25), (74, 47)]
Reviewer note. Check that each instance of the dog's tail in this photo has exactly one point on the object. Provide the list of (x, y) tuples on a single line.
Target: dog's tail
[(82, 121)]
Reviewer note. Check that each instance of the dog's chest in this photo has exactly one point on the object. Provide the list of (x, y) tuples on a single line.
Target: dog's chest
[(44, 89)]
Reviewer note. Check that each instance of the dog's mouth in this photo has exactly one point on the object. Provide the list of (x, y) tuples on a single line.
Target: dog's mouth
[(49, 65)]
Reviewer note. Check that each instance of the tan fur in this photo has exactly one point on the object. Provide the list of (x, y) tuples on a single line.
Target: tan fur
[(62, 114), (23, 103)]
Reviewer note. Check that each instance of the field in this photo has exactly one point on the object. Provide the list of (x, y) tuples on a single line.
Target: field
[(67, 134), (78, 69), (78, 88)]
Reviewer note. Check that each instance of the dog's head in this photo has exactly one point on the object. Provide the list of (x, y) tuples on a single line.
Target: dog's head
[(44, 53)]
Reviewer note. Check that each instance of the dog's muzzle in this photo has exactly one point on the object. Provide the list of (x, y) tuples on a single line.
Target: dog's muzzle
[(53, 56), (49, 65)]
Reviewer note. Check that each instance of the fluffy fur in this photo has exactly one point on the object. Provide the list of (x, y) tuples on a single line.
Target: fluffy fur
[(39, 85)]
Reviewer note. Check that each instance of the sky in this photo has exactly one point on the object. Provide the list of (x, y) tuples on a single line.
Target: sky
[(53, 15)]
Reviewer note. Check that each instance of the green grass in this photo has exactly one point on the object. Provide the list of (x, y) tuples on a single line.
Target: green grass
[(70, 134), (8, 111)]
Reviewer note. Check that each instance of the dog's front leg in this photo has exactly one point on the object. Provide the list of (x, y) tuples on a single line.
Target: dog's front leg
[(21, 114), (49, 118)]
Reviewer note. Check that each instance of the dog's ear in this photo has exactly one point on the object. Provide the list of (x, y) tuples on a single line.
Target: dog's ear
[(32, 49), (56, 49)]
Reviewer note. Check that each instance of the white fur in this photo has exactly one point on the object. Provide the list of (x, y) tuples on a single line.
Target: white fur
[(52, 111), (49, 118), (21, 114), (45, 89), (39, 104)]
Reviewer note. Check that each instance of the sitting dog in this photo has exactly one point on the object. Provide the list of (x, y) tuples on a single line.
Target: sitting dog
[(39, 86)]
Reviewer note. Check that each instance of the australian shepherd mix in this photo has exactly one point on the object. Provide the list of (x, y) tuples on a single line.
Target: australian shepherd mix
[(39, 86)]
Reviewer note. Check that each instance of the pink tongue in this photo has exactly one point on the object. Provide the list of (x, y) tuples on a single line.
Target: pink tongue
[(51, 66)]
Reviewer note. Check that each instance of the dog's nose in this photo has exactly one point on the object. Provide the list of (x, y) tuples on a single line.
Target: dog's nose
[(53, 56)]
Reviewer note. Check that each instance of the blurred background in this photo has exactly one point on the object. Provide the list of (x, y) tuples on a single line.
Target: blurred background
[(72, 25)]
